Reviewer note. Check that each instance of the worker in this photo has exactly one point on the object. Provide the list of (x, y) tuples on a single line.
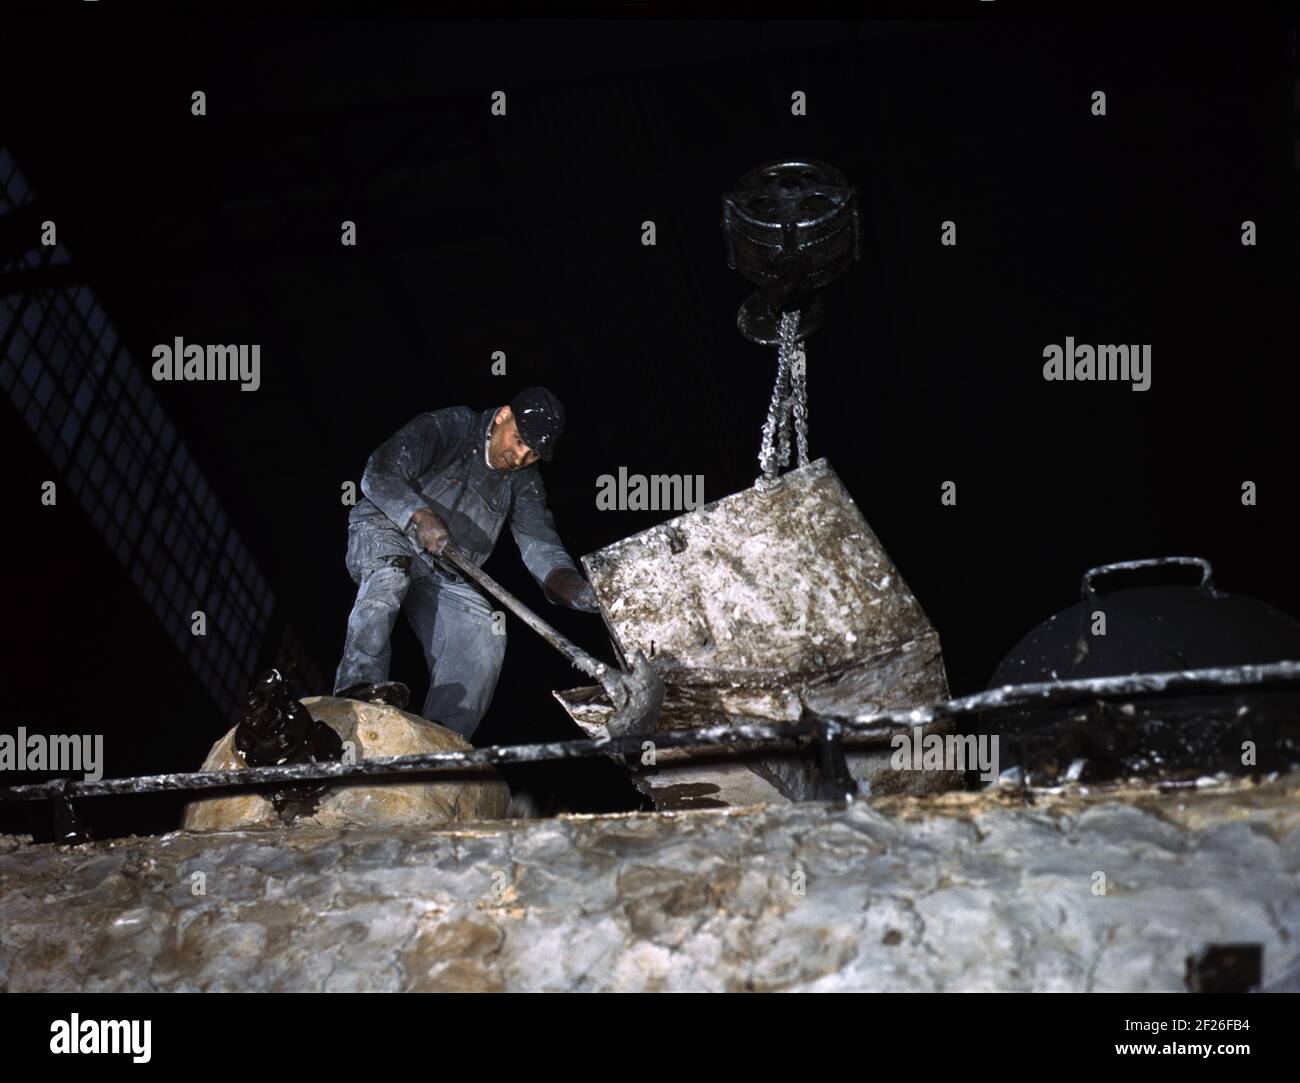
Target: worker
[(451, 475)]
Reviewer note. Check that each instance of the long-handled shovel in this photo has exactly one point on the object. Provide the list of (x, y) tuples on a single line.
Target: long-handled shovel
[(637, 696)]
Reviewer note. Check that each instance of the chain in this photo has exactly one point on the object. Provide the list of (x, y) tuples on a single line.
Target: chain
[(799, 379), (789, 405)]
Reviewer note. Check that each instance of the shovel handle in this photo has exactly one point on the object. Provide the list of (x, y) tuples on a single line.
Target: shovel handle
[(577, 657)]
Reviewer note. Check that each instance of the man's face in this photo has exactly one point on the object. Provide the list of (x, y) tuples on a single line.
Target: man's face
[(505, 450)]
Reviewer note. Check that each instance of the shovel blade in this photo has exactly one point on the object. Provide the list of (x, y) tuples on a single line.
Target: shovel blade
[(638, 697)]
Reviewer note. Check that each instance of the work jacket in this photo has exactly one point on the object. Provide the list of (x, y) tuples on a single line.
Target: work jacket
[(437, 461)]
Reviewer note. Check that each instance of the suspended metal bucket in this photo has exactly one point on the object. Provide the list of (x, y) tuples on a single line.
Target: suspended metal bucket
[(758, 605)]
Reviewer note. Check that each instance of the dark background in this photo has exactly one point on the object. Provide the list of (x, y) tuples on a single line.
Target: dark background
[(523, 234)]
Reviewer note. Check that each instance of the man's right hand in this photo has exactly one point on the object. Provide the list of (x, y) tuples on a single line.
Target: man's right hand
[(430, 530)]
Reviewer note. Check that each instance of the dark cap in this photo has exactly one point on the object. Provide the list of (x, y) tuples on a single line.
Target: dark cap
[(540, 419)]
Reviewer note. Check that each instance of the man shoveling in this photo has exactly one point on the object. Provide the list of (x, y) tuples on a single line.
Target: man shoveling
[(452, 475)]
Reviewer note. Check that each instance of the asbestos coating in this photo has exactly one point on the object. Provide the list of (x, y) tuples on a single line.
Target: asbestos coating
[(953, 892)]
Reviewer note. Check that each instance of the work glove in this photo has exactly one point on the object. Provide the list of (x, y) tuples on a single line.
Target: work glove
[(430, 530), (564, 586)]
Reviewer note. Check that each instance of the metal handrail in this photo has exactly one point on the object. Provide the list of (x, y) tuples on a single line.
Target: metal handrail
[(825, 729)]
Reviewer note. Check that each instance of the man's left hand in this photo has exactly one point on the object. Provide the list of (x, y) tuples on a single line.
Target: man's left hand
[(564, 586)]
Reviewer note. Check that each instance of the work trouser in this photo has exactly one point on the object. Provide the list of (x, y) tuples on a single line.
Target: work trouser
[(463, 646)]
